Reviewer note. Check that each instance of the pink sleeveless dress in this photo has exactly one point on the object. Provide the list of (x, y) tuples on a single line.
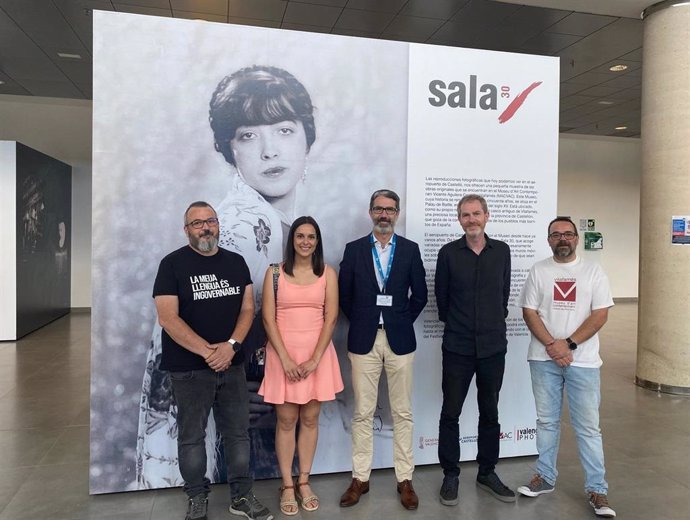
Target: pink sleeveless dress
[(300, 319)]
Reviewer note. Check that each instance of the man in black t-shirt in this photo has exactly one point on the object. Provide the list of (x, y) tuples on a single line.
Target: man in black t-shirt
[(205, 305)]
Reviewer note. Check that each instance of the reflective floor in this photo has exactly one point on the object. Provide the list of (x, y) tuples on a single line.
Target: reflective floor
[(44, 452)]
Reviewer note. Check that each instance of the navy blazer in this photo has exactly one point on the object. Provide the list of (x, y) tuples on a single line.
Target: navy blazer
[(358, 289)]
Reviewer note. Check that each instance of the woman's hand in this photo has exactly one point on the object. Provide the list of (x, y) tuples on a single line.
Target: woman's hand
[(291, 370), (307, 368)]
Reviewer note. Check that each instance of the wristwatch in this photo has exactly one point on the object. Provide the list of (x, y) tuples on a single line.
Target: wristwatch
[(236, 345), (571, 344)]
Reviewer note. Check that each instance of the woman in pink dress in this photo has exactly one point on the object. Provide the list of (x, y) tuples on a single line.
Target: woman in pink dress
[(302, 367)]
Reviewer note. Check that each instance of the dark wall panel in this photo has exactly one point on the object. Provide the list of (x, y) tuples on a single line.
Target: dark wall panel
[(44, 226)]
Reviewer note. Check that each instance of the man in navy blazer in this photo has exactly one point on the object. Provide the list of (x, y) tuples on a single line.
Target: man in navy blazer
[(382, 286)]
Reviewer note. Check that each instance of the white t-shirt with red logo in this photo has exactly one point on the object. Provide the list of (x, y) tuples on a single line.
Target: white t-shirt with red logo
[(564, 295)]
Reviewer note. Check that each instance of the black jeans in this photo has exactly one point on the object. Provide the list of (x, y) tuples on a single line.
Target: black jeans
[(457, 375), (196, 393)]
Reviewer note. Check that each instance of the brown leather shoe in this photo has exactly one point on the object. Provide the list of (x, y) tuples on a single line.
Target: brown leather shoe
[(408, 498), (351, 496)]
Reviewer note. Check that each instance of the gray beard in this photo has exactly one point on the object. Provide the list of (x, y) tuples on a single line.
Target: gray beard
[(562, 253), (384, 230), (206, 245)]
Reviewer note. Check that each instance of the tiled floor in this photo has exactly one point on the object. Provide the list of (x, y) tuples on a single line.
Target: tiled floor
[(44, 417)]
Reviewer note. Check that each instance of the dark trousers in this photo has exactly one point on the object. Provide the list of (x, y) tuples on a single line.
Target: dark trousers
[(457, 375), (196, 393)]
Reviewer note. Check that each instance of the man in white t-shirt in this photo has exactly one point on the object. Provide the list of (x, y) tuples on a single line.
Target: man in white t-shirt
[(565, 301)]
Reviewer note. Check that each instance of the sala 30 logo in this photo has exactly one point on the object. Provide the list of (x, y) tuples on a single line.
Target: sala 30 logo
[(459, 95)]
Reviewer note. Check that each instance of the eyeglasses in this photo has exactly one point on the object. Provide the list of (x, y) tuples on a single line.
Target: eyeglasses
[(390, 211), (198, 224), (568, 235)]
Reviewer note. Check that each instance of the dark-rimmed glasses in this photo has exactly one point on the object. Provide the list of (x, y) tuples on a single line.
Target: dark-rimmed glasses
[(390, 211), (198, 223), (568, 235)]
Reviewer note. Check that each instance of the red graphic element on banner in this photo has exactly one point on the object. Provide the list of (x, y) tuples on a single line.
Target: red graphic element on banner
[(564, 291), (509, 112)]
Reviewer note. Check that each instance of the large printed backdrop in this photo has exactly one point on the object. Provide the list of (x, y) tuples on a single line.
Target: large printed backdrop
[(154, 154)]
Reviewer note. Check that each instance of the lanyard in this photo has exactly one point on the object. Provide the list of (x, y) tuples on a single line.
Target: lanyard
[(384, 279)]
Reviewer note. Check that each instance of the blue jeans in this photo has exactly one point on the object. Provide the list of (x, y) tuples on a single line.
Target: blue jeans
[(458, 372), (582, 387), (196, 393)]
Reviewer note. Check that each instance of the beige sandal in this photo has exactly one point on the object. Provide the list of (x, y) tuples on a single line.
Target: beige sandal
[(288, 506), (305, 501)]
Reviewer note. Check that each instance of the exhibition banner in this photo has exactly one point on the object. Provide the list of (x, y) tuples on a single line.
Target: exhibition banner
[(379, 114), (486, 123)]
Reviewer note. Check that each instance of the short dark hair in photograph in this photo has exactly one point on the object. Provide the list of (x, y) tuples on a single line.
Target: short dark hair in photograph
[(258, 95), (389, 194), (317, 263)]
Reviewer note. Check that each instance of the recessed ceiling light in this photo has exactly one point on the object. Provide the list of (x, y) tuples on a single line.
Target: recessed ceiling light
[(618, 68), (621, 128), (69, 56), (605, 102), (2, 82)]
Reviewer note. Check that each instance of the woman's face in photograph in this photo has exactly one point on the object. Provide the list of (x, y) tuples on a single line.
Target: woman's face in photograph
[(271, 158)]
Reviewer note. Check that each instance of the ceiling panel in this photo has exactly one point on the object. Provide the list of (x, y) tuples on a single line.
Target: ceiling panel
[(255, 23), (548, 42), (157, 4), (209, 17), (257, 9), (61, 89), (575, 100), (332, 3), (357, 33), (78, 14), (606, 67), (581, 24), (306, 14), (482, 11), (304, 28), (217, 7), (589, 79), (369, 21), (142, 9), (628, 93), (624, 81), (9, 86), (635, 55), (440, 9), (33, 31), (598, 91), (601, 47), (42, 22), (628, 8), (384, 6), (413, 27)]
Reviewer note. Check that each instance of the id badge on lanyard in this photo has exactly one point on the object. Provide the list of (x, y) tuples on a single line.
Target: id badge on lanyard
[(383, 300)]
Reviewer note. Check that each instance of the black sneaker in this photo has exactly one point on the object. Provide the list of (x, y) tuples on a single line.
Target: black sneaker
[(493, 485), (249, 507), (196, 510), (449, 490)]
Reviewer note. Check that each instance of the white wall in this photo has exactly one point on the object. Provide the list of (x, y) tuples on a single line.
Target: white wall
[(8, 240), (599, 178), (60, 128)]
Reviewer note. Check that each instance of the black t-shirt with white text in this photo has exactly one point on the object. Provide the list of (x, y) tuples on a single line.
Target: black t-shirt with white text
[(210, 291)]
